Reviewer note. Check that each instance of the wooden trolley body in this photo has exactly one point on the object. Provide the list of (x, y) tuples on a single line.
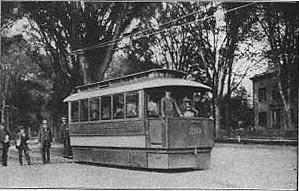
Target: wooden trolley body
[(141, 141)]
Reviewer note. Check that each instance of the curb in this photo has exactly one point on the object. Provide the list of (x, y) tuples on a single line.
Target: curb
[(258, 141)]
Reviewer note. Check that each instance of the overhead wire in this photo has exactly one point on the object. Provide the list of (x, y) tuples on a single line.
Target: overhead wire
[(108, 43), (112, 42)]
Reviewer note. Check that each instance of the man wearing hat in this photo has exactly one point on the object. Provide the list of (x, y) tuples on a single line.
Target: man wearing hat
[(66, 138), (4, 140), (45, 139), (197, 103), (169, 107), (188, 109), (22, 145)]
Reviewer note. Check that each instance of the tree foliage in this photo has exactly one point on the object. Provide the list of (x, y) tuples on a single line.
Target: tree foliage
[(206, 48), (57, 28), (280, 23), (22, 83)]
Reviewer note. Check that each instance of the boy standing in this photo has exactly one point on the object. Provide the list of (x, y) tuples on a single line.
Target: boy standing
[(22, 145)]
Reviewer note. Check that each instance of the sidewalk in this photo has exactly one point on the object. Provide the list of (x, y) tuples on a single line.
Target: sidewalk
[(34, 146), (258, 141), (35, 152)]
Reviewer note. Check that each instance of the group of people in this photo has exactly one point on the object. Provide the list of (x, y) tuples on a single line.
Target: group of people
[(45, 138), (199, 106)]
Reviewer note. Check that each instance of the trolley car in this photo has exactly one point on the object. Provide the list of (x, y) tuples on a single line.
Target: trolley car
[(118, 122)]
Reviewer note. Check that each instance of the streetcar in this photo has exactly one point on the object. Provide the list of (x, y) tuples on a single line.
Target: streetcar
[(119, 122)]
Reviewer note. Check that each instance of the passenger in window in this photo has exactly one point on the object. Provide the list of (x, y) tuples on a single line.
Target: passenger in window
[(118, 108), (106, 113), (169, 107), (152, 108), (94, 111), (94, 115), (188, 109), (131, 110), (119, 113)]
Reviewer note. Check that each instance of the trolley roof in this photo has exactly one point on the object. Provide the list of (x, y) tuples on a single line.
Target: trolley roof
[(149, 83), (132, 78)]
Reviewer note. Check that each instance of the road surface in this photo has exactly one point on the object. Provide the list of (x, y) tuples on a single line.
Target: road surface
[(232, 166)]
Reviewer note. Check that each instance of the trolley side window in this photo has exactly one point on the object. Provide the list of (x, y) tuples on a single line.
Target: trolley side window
[(74, 111), (118, 106), (153, 106), (106, 107), (132, 108), (84, 110), (94, 109)]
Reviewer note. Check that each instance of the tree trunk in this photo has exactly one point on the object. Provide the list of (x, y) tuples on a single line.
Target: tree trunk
[(228, 98), (227, 115), (3, 111), (84, 66), (217, 118), (286, 103), (110, 50)]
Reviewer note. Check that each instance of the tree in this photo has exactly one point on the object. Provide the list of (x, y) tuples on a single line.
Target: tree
[(65, 26), (57, 28), (21, 79), (171, 47), (207, 48), (123, 64), (241, 115), (9, 14), (11, 68), (280, 21)]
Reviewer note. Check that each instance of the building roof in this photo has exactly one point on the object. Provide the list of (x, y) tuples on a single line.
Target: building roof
[(266, 74), (150, 83)]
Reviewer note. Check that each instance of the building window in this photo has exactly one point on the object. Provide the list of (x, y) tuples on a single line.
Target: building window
[(276, 118), (84, 110), (106, 107), (118, 106), (132, 105), (94, 109), (74, 111), (275, 94), (263, 119), (294, 115), (262, 94)]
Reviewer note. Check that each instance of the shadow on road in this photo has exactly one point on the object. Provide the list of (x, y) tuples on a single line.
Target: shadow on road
[(182, 170)]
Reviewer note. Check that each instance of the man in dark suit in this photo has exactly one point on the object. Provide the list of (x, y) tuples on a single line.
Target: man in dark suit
[(45, 139), (4, 140), (22, 139), (66, 138)]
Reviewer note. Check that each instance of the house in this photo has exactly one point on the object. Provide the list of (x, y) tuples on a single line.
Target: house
[(269, 113)]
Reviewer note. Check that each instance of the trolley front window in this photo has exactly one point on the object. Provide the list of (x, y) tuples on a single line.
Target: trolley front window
[(118, 106), (84, 110), (94, 109), (106, 107), (132, 105), (75, 111)]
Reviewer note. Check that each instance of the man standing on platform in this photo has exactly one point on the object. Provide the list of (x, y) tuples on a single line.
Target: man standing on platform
[(169, 107), (66, 138), (45, 139)]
